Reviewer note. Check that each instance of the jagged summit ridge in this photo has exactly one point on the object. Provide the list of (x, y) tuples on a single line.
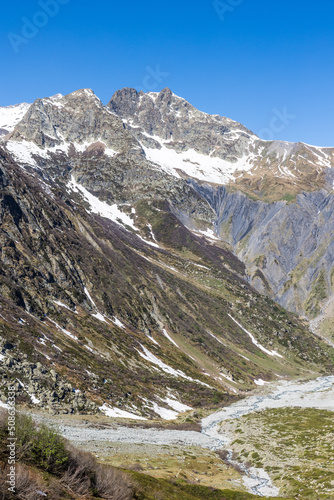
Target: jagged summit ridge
[(175, 137), (79, 119)]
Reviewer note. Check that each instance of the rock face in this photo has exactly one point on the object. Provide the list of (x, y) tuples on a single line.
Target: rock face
[(78, 118), (182, 127), (119, 268), (288, 247), (276, 213)]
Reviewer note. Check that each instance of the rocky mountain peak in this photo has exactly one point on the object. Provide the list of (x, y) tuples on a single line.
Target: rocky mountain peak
[(164, 120), (78, 118)]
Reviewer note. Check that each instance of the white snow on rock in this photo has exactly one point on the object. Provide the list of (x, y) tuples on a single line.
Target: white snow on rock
[(260, 382), (81, 147), (100, 317), (169, 337), (149, 356), (10, 116), (155, 245), (102, 208), (117, 413), (208, 234), (23, 152), (176, 405), (69, 334), (153, 340), (164, 413), (271, 353), (89, 297), (118, 323), (199, 166), (221, 374), (64, 305), (215, 337), (33, 398)]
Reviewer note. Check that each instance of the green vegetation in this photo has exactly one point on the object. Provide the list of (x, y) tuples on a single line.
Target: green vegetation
[(289, 197), (62, 472), (318, 293), (294, 445)]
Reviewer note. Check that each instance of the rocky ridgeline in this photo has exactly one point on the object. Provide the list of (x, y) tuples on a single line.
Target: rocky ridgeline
[(35, 384), (173, 119)]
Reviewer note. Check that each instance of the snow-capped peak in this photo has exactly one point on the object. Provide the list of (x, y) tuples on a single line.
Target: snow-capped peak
[(10, 116)]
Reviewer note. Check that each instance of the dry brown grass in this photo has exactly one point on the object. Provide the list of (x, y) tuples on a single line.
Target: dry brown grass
[(78, 476), (27, 487), (112, 484)]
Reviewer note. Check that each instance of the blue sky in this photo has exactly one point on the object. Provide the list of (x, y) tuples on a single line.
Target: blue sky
[(250, 60)]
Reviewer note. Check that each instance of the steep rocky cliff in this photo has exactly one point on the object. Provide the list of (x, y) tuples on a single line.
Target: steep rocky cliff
[(272, 199)]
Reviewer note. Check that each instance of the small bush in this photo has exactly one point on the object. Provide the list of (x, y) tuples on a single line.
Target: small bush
[(74, 471), (80, 471), (26, 487), (48, 450), (40, 445), (112, 484)]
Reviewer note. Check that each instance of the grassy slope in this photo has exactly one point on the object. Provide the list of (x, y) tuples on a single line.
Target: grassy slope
[(294, 445), (52, 249)]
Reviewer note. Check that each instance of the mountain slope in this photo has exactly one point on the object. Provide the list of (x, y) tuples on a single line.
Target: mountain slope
[(117, 290), (73, 300), (275, 208)]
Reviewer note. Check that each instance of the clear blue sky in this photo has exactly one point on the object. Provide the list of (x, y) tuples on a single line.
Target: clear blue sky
[(257, 57)]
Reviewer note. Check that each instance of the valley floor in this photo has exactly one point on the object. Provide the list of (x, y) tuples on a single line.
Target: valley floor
[(192, 455)]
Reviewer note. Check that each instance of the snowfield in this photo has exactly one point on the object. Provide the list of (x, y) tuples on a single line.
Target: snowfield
[(12, 115)]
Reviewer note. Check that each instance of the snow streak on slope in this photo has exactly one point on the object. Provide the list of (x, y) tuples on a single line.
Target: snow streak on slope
[(271, 353), (102, 208), (167, 369), (23, 151), (117, 413)]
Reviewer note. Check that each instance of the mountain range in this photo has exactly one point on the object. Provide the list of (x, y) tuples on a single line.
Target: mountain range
[(156, 259)]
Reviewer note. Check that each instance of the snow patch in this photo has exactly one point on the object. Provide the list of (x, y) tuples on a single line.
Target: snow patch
[(69, 334), (271, 353), (64, 305), (164, 412), (260, 382), (197, 165), (176, 405), (23, 152), (10, 116), (118, 323), (117, 413), (111, 212), (148, 356), (169, 337), (100, 317)]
